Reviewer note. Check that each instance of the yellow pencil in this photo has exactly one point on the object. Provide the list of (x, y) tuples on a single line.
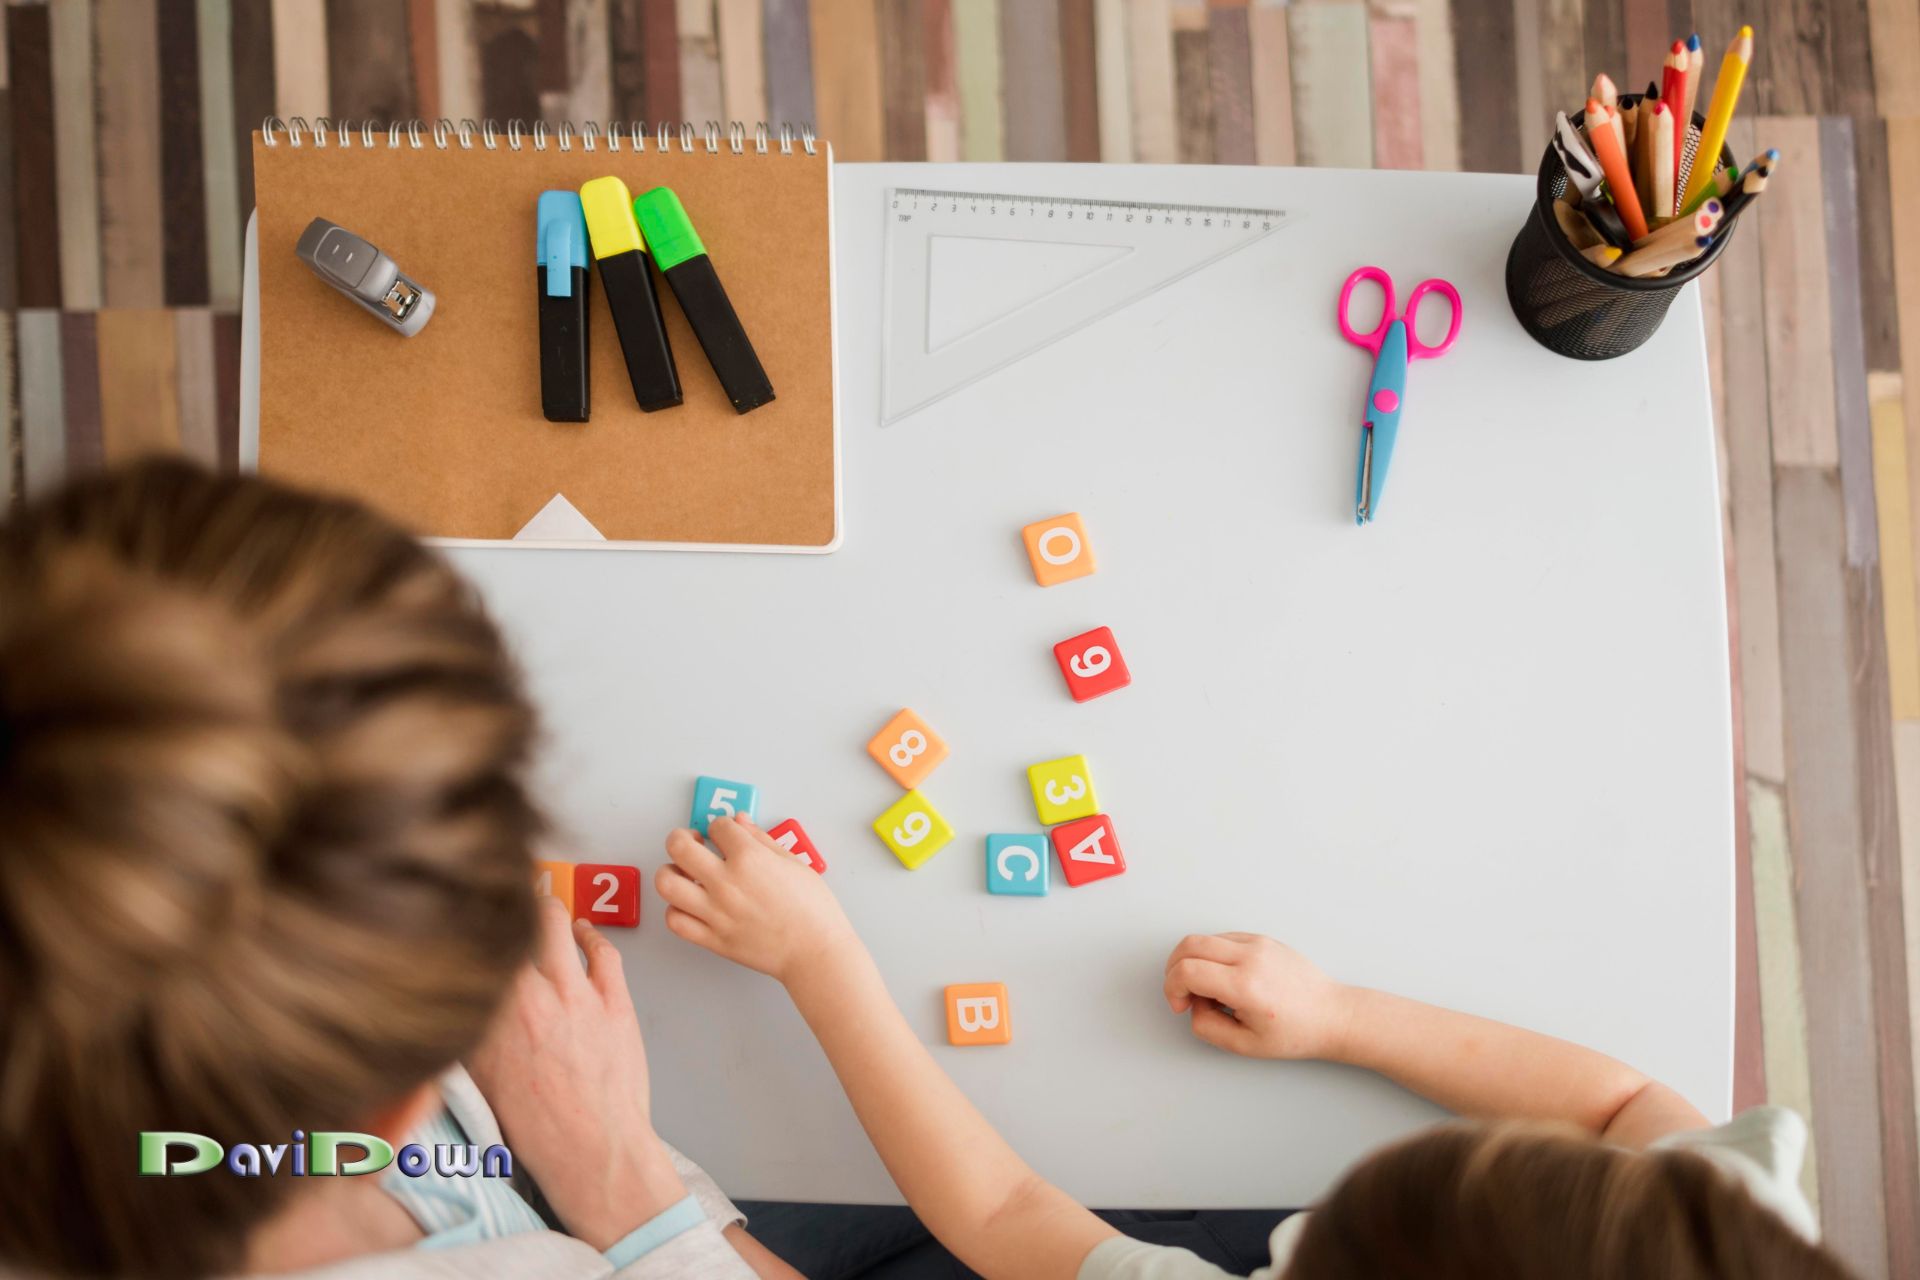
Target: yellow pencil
[(1726, 92)]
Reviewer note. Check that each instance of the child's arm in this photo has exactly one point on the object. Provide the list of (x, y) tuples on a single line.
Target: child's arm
[(760, 908), (1261, 999)]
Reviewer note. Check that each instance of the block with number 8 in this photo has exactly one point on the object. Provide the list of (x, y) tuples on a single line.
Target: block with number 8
[(907, 749), (719, 798), (1062, 790), (792, 837), (1058, 549), (1092, 664), (913, 829), (605, 894)]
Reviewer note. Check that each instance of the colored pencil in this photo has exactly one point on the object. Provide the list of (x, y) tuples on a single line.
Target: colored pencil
[(1610, 150), (1696, 66), (1661, 166), (1583, 171), (1680, 229), (1726, 93), (1601, 255), (1603, 90), (1725, 182), (1673, 92), (1574, 226), (1752, 183), (1680, 241)]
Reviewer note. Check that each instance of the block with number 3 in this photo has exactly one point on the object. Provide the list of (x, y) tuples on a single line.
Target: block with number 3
[(907, 748), (1092, 664), (792, 837), (1088, 849), (605, 894), (913, 829), (977, 1014), (719, 798), (1062, 790)]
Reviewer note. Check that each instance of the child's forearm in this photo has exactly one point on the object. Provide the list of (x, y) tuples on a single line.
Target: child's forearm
[(1482, 1068), (969, 1187)]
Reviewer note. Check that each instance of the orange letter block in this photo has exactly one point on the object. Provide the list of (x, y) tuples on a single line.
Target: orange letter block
[(977, 1014), (1058, 549)]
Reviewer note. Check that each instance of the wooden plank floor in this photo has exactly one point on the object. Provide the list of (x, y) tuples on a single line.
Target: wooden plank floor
[(125, 177)]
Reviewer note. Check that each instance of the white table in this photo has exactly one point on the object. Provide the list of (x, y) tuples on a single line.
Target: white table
[(1478, 752)]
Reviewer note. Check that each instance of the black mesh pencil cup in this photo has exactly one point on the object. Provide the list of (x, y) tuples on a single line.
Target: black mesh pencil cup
[(1578, 308)]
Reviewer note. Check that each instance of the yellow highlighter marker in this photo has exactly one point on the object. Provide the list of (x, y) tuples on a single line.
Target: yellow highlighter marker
[(626, 273)]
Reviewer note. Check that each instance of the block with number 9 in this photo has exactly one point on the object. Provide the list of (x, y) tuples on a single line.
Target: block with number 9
[(913, 829), (719, 798), (605, 894), (1092, 664), (1062, 790), (1058, 549), (907, 749)]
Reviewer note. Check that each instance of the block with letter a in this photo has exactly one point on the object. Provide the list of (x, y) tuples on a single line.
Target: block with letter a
[(1088, 849), (977, 1014)]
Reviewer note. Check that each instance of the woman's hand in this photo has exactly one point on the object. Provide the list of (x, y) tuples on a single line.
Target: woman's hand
[(566, 1073), (757, 905), (1257, 997)]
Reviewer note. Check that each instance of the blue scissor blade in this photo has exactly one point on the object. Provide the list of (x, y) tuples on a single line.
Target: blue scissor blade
[(1381, 426)]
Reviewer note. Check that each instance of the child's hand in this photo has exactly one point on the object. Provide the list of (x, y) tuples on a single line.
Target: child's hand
[(566, 1074), (1281, 1005), (758, 905)]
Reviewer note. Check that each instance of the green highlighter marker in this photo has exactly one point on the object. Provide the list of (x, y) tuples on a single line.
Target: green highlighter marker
[(683, 260)]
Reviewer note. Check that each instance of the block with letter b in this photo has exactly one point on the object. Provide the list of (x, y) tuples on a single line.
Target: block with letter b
[(606, 894), (792, 837), (907, 748), (719, 798), (977, 1014), (1089, 850), (1058, 549), (554, 879), (913, 829), (1017, 865), (1092, 664), (1062, 790)]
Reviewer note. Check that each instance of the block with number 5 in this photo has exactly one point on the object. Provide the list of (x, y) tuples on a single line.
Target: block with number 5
[(907, 748), (719, 798), (792, 837), (1092, 664), (913, 829), (1088, 849), (1062, 790), (606, 894)]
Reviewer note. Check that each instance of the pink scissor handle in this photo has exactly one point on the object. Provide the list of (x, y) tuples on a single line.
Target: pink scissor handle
[(1416, 349), (1371, 341)]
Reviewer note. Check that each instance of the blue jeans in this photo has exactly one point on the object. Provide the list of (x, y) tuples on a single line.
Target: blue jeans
[(886, 1242)]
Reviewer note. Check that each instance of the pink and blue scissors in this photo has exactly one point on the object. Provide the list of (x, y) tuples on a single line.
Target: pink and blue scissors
[(1394, 345)]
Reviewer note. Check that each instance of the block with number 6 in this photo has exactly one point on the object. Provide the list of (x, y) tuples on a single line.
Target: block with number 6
[(607, 894), (554, 879), (907, 748), (1088, 850), (1062, 790), (792, 837), (719, 798), (913, 829), (1058, 549), (977, 1014), (1092, 664)]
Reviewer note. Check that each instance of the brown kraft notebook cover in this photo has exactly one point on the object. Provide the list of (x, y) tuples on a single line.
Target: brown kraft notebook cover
[(443, 431)]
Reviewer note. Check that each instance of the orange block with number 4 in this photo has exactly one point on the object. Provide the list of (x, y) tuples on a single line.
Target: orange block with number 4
[(908, 749), (1058, 549), (977, 1014), (554, 879)]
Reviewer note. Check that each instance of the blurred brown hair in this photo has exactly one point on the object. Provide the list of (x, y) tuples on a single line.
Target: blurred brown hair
[(1521, 1201), (264, 846)]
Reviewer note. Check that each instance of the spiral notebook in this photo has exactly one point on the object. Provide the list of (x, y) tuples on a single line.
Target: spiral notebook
[(444, 432)]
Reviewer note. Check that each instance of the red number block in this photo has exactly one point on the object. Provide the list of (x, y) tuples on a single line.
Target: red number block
[(1092, 664), (792, 837), (606, 894), (1088, 849)]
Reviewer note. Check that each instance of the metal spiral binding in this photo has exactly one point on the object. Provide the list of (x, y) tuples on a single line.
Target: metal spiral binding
[(588, 135)]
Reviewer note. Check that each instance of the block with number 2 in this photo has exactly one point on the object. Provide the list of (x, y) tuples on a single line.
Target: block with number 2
[(907, 748), (913, 829), (1092, 664), (606, 894), (1088, 849), (792, 837)]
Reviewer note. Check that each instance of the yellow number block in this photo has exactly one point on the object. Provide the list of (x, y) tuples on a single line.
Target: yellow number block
[(1058, 549), (555, 879), (1062, 790), (907, 748), (977, 1014), (913, 829)]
